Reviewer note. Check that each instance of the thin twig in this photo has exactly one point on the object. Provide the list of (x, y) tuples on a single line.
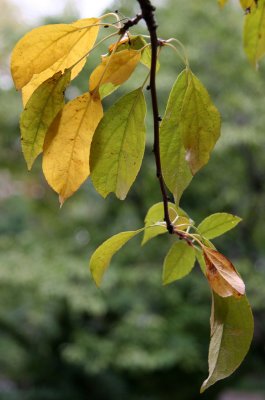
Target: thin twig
[(149, 18), (130, 23)]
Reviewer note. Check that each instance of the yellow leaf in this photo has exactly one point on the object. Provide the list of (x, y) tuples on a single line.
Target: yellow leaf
[(254, 33), (41, 48), (136, 43), (38, 79), (67, 145), (247, 3), (222, 275), (115, 69)]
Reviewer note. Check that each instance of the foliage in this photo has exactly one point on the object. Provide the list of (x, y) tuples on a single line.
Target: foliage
[(194, 162)]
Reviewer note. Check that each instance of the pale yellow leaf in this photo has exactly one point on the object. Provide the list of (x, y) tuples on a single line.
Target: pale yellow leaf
[(115, 69), (67, 145), (41, 48)]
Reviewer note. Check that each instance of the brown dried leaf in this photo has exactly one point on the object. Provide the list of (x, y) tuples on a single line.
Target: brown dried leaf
[(222, 275)]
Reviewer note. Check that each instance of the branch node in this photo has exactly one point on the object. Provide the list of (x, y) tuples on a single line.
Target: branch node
[(130, 23)]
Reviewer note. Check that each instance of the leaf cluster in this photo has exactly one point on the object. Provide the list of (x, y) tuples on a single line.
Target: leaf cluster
[(78, 139)]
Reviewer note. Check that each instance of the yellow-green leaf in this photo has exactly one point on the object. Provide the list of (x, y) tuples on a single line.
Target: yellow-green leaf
[(118, 146), (176, 171), (200, 124), (178, 262), (254, 33), (217, 224), (106, 89), (42, 108), (189, 131), (67, 145), (115, 69), (232, 328), (101, 258), (41, 48), (155, 214)]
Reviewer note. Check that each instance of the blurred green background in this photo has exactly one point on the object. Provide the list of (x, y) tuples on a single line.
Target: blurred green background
[(63, 339)]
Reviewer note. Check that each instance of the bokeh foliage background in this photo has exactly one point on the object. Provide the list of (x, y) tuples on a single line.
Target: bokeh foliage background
[(60, 337)]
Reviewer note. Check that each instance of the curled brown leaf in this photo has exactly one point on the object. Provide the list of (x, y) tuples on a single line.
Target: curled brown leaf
[(222, 275)]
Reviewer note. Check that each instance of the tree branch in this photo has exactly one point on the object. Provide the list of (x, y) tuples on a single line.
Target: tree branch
[(130, 23), (149, 17)]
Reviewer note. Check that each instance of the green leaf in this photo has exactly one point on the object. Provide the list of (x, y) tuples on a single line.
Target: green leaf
[(178, 262), (118, 146), (106, 89), (200, 124), (189, 131), (217, 224), (40, 111), (156, 214), (231, 334), (101, 258), (254, 33), (176, 171)]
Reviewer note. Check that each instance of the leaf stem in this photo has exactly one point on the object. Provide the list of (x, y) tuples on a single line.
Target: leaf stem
[(184, 60), (181, 45), (149, 18), (93, 48)]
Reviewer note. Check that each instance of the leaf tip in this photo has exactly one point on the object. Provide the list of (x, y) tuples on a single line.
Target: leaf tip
[(203, 387), (97, 279), (61, 200), (29, 165)]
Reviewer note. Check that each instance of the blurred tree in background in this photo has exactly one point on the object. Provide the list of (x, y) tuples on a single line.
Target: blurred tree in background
[(60, 337)]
